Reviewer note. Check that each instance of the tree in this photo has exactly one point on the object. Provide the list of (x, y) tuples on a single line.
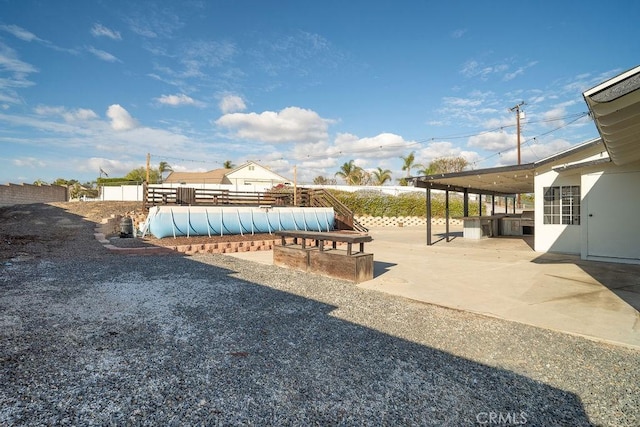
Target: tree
[(321, 180), (228, 164), (140, 174), (351, 173), (409, 163), (381, 176), (445, 165), (162, 168), (365, 178), (39, 182), (63, 182)]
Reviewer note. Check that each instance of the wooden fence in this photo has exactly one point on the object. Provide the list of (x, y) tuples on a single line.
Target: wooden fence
[(305, 197)]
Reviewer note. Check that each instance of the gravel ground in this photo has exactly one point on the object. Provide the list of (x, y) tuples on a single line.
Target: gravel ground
[(93, 338)]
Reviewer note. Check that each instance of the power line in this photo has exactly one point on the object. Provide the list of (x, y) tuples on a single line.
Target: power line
[(535, 138), (409, 145)]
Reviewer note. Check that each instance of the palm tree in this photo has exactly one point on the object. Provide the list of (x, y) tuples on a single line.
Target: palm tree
[(162, 168), (426, 170), (351, 173), (228, 164), (409, 163), (381, 176)]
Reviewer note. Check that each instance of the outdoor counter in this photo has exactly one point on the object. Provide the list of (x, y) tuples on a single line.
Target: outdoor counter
[(477, 227)]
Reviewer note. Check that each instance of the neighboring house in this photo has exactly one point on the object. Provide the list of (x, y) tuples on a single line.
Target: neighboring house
[(247, 176), (587, 198)]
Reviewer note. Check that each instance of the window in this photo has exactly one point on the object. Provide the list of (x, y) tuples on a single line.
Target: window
[(562, 205)]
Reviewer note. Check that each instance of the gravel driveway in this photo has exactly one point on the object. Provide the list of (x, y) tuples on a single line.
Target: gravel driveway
[(89, 337)]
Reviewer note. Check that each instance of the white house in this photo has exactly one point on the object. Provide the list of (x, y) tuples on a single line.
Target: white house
[(247, 176), (587, 198)]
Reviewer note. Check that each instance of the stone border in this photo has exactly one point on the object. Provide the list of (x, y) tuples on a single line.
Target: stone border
[(110, 226)]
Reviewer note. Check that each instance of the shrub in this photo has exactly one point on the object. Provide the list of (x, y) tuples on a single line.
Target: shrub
[(378, 204)]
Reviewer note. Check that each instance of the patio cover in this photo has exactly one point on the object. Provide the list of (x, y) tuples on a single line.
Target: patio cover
[(501, 180), (615, 107)]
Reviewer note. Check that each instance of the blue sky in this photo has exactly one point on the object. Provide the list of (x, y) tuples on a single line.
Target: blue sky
[(86, 85)]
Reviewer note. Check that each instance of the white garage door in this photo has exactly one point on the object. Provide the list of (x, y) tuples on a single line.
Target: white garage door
[(613, 215)]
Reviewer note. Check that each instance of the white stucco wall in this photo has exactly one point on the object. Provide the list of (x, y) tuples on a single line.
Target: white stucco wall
[(121, 193), (611, 205), (554, 237)]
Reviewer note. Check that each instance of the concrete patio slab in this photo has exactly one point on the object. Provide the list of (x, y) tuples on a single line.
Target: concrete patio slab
[(505, 278)]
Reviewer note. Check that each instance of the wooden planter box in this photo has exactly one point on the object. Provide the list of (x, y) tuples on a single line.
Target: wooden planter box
[(323, 258)]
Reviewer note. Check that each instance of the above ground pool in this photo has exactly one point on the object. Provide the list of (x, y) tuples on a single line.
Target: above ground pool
[(165, 221)]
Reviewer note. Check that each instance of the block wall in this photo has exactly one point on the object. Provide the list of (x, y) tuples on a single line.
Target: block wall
[(19, 194), (406, 221)]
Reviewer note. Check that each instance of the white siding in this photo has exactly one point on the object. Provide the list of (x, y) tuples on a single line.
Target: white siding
[(253, 174)]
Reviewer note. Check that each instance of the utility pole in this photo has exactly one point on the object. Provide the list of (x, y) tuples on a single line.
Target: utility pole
[(148, 162), (517, 110), (295, 185)]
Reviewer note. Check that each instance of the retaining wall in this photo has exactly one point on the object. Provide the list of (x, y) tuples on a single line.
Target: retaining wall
[(20, 194), (402, 221)]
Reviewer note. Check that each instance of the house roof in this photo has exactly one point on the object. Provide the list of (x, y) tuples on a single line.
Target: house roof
[(502, 180), (211, 177), (269, 171), (615, 108), (215, 176)]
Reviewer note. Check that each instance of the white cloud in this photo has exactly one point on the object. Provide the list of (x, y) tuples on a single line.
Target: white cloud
[(299, 53), (473, 68), (383, 145), (29, 162), (232, 104), (533, 151), (19, 32), (101, 54), (16, 75), (99, 30), (28, 36), (113, 167), (438, 149), (461, 102), (292, 124), (493, 141), (553, 115), (178, 100), (512, 75), (10, 62), (79, 114), (120, 118), (458, 33)]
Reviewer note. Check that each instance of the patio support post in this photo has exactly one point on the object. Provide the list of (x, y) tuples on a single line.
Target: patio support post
[(465, 209), (428, 216), (506, 204), (479, 204), (446, 214), (493, 204), (514, 205)]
